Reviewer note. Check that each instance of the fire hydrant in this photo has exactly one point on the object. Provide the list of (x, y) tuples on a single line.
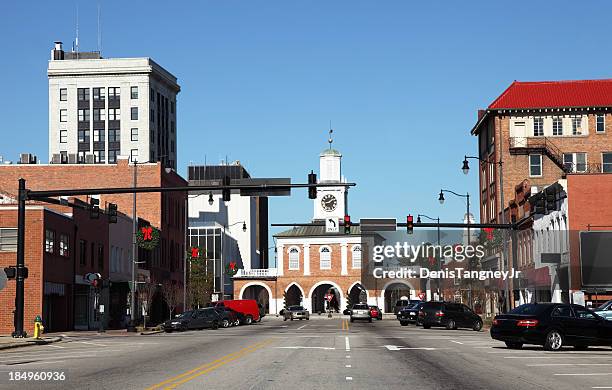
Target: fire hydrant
[(38, 327)]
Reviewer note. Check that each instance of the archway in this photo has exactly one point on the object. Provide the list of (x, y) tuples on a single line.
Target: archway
[(357, 294), (317, 297), (293, 295), (258, 293), (393, 292)]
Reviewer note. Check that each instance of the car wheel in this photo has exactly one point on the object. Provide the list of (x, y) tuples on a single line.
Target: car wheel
[(477, 326), (451, 325), (554, 341), (307, 318), (512, 345), (404, 323), (426, 326), (168, 330), (225, 323), (370, 319), (248, 320), (291, 318), (285, 319), (237, 323), (215, 325)]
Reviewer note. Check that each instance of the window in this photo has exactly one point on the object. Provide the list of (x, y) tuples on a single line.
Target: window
[(134, 92), (557, 126), (577, 125), (134, 112), (583, 313), (63, 94), (356, 256), (114, 114), (49, 240), (112, 156), (606, 159), (82, 252), (294, 258), (8, 240), (538, 127), (99, 135), (99, 156), (575, 162), (99, 114), (100, 257), (114, 135), (152, 95), (172, 127), (535, 165), (63, 136), (134, 155), (172, 146), (134, 134), (98, 94), (83, 94), (152, 156), (63, 115), (114, 93), (171, 107), (152, 115), (83, 136), (63, 245), (325, 258), (600, 122), (84, 115), (152, 136)]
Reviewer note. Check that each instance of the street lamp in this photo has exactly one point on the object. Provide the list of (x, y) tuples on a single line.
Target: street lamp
[(210, 198), (467, 196)]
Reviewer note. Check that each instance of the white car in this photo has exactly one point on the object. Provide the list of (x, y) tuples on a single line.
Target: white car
[(605, 310), (360, 311)]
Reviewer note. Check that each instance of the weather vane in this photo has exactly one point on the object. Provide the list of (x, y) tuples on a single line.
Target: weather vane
[(330, 140)]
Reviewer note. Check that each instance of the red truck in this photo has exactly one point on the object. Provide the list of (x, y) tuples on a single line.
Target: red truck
[(248, 307)]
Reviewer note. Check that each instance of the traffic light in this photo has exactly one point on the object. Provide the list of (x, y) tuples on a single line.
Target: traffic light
[(94, 208), (112, 213), (11, 272), (409, 224), (226, 191), (347, 224), (551, 199), (312, 191)]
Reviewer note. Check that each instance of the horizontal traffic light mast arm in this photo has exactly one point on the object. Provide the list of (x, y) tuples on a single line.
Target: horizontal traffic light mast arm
[(418, 225), (38, 195)]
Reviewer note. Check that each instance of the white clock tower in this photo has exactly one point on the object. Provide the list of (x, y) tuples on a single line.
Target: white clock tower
[(331, 202)]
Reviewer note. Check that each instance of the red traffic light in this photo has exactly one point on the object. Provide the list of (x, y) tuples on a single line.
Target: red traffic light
[(347, 224), (409, 224)]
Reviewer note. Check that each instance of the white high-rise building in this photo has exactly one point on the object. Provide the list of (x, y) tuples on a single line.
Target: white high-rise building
[(100, 108)]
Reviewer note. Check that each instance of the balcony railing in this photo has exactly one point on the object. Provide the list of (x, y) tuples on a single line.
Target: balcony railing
[(256, 273)]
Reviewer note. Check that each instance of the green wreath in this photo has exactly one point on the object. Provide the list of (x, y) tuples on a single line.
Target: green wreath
[(196, 253), (147, 237), (232, 268)]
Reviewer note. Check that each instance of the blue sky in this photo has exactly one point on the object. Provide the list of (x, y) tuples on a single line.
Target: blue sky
[(400, 80)]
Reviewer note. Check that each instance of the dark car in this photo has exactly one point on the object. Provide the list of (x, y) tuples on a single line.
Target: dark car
[(228, 317), (193, 319), (450, 315), (375, 312), (402, 304), (410, 314), (552, 325)]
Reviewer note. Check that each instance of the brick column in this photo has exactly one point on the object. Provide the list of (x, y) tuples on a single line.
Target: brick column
[(343, 259), (279, 263), (306, 259)]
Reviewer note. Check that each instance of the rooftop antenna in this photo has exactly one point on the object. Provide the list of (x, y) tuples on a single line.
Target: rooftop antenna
[(99, 30), (330, 139)]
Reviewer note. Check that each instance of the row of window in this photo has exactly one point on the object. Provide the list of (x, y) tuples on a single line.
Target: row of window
[(99, 114), (324, 257), (99, 94), (64, 243), (557, 125), (114, 135), (574, 162)]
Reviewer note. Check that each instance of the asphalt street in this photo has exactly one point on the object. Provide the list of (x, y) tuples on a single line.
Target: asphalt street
[(315, 354)]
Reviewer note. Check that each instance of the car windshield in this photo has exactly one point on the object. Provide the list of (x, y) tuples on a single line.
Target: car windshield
[(296, 308), (185, 314), (360, 307), (529, 309), (604, 306)]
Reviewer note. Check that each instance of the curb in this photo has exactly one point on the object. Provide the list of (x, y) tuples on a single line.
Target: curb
[(149, 333), (31, 342)]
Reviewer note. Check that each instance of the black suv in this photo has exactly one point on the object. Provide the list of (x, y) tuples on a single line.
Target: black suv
[(448, 314)]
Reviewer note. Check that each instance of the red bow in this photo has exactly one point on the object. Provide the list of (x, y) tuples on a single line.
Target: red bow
[(489, 232), (232, 266), (147, 233), (195, 252), (432, 260)]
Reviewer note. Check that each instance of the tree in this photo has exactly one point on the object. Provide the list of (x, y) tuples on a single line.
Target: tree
[(172, 295), (146, 292), (200, 284)]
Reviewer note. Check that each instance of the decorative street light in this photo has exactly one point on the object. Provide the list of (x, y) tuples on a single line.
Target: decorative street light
[(467, 196), (211, 200)]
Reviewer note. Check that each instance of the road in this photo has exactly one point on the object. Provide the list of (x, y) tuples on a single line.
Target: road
[(315, 354)]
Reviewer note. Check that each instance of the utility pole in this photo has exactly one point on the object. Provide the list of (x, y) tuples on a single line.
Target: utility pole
[(19, 292), (132, 325)]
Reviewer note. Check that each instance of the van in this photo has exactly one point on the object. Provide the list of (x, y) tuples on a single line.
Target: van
[(248, 307)]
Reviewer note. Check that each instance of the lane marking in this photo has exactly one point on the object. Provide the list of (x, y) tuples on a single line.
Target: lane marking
[(568, 364), (348, 356), (90, 343), (347, 345), (348, 366), (400, 348), (300, 347), (302, 327), (557, 357), (585, 374), (456, 342), (184, 377), (349, 378), (57, 346)]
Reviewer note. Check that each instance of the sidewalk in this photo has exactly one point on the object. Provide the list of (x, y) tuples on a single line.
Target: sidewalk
[(7, 342)]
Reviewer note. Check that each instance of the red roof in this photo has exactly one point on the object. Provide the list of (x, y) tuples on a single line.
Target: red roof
[(555, 94)]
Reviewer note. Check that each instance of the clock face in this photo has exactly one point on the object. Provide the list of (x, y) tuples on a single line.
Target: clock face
[(329, 202)]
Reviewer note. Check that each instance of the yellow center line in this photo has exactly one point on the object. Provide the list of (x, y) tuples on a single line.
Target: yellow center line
[(236, 354)]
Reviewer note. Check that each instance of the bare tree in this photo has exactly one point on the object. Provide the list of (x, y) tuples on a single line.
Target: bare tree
[(172, 294), (146, 292)]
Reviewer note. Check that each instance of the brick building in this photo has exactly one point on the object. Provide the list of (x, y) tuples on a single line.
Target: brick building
[(164, 211)]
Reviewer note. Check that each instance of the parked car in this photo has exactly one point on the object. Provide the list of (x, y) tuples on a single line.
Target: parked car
[(248, 307), (605, 310), (228, 316), (360, 311), (296, 313), (375, 312), (448, 314), (410, 314), (193, 319), (551, 325), (402, 304)]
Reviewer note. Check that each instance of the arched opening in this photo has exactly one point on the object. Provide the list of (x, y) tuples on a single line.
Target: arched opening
[(320, 304), (293, 296), (258, 293), (393, 293), (357, 294)]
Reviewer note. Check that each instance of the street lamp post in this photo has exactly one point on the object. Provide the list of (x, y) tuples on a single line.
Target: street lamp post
[(244, 229), (440, 259)]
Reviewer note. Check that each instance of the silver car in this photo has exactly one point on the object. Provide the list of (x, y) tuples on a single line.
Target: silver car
[(360, 311), (605, 310), (296, 313)]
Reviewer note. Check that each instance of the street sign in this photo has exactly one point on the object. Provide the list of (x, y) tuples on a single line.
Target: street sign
[(331, 225), (3, 278), (421, 296), (329, 297)]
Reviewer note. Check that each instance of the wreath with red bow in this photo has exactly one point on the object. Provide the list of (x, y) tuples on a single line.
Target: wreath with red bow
[(147, 237), (196, 253), (232, 268)]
